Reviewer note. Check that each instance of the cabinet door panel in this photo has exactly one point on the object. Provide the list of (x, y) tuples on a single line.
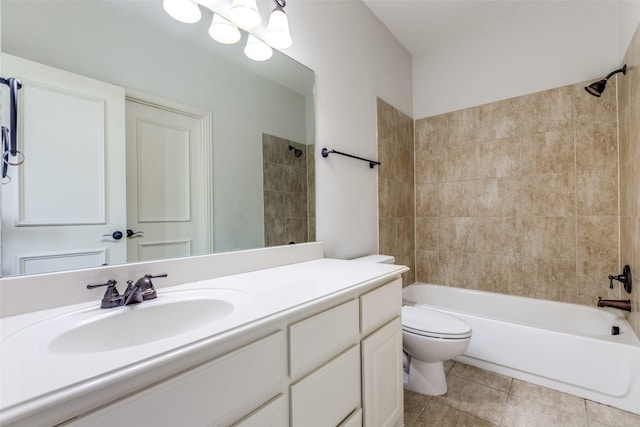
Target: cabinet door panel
[(382, 376), (212, 394), (328, 395)]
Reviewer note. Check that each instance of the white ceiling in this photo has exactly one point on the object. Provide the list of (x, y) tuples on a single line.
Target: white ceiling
[(425, 25)]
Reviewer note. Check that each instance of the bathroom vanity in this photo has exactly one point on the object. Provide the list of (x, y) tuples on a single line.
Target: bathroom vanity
[(312, 343)]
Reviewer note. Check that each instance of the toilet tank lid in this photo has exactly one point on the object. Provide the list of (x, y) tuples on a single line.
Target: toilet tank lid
[(381, 259)]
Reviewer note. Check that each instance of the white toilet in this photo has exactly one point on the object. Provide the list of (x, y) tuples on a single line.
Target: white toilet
[(430, 337)]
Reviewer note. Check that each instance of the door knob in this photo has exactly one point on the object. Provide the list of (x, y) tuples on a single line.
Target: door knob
[(116, 235), (131, 233)]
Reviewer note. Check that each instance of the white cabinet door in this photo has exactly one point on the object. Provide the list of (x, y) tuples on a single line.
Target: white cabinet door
[(382, 398), (70, 191)]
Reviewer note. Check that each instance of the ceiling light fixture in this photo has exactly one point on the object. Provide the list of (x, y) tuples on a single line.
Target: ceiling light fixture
[(223, 31), (185, 11), (256, 49), (277, 34), (244, 13)]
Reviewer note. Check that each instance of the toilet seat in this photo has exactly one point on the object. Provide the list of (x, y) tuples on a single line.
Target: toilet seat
[(434, 324)]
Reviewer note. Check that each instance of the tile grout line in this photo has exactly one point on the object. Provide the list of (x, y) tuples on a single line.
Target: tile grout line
[(483, 384)]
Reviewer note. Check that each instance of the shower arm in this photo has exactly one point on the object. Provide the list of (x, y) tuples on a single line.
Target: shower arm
[(622, 70)]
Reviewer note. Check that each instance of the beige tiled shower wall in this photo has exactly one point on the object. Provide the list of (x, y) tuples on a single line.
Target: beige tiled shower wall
[(629, 113), (521, 196), (311, 192), (396, 187), (286, 192)]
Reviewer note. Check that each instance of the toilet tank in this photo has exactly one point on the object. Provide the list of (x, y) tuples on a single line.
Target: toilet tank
[(381, 259)]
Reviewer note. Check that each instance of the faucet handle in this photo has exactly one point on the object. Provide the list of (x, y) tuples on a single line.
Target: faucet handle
[(110, 283), (146, 286), (111, 297)]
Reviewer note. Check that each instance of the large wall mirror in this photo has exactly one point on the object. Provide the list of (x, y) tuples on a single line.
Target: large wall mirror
[(130, 120)]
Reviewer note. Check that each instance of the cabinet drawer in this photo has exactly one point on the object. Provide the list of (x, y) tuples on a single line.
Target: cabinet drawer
[(273, 414), (354, 420), (380, 305), (317, 339), (213, 394), (328, 395)]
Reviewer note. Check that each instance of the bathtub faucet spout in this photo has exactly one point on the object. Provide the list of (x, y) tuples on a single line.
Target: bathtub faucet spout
[(622, 304)]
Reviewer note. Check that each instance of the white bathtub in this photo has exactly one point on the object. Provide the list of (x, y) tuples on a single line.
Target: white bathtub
[(567, 347)]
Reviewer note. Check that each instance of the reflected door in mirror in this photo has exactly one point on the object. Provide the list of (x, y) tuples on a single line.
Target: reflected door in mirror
[(167, 192), (70, 193)]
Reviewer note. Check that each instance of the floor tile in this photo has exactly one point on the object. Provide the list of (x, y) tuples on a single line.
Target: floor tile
[(414, 404), (521, 412), (546, 396), (607, 415), (481, 398), (448, 364), (481, 376), (437, 414), (475, 399)]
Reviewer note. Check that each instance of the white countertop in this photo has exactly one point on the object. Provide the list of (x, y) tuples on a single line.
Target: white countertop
[(33, 377)]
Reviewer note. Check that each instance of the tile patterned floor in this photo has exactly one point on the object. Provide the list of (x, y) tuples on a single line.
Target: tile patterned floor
[(481, 398)]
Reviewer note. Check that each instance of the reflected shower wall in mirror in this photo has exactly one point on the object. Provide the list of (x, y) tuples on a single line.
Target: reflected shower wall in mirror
[(288, 191), (136, 46)]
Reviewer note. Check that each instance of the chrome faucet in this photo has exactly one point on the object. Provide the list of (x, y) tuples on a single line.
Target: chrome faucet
[(615, 303), (133, 294), (142, 290), (146, 287)]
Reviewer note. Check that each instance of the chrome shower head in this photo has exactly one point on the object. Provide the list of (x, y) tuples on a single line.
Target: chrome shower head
[(598, 87), (296, 152)]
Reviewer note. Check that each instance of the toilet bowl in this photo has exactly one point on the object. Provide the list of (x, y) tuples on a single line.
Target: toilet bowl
[(430, 337)]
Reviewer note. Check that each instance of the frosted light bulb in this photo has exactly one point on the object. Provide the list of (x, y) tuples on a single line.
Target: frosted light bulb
[(256, 49), (223, 31), (183, 10), (244, 13), (277, 34)]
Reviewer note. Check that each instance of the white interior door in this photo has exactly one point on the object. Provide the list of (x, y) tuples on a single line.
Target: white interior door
[(168, 181), (71, 190)]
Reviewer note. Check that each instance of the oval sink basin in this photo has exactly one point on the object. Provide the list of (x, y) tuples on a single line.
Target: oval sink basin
[(143, 323)]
